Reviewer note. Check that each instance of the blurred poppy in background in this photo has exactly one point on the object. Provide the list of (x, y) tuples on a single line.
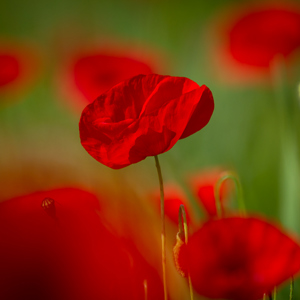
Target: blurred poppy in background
[(54, 246), (259, 35), (239, 258), (247, 39), (18, 67), (203, 185), (90, 73), (95, 74), (10, 68), (174, 197), (143, 116)]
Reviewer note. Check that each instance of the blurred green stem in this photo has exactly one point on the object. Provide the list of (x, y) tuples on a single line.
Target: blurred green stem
[(218, 199), (239, 193), (173, 163), (275, 293), (291, 289), (163, 230), (289, 173), (184, 229)]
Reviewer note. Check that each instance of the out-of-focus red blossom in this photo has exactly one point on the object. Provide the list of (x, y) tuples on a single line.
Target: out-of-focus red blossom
[(239, 258), (95, 74), (91, 73), (259, 35), (143, 116), (10, 68), (173, 197), (54, 246), (18, 66), (246, 39), (203, 185)]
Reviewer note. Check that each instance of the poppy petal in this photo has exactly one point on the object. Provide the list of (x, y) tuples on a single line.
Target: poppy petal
[(147, 115), (240, 258)]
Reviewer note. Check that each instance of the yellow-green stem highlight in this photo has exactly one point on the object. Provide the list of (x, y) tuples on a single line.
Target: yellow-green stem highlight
[(163, 230), (184, 228), (275, 293), (288, 117), (291, 289), (218, 200), (265, 297)]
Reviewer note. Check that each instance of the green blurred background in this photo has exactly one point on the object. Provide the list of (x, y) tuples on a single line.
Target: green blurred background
[(40, 145)]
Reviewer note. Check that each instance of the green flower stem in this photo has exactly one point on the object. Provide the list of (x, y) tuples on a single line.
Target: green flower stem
[(184, 229), (289, 169), (289, 172), (239, 193), (275, 293), (217, 198), (291, 289), (163, 229)]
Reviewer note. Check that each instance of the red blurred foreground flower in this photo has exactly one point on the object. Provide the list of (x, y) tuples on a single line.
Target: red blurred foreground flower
[(258, 36), (54, 247), (143, 116), (203, 185), (173, 198), (239, 258)]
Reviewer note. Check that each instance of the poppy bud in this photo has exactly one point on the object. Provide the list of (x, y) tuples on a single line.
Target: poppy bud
[(179, 257)]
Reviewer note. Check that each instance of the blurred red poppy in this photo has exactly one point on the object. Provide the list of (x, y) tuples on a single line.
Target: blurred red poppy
[(174, 197), (239, 258), (143, 116), (91, 73), (247, 39), (10, 68), (95, 74), (54, 246), (203, 186), (259, 35), (18, 66)]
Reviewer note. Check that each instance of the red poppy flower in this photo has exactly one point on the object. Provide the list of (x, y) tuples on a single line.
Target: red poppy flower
[(143, 116), (18, 64), (54, 246), (95, 74), (174, 197), (10, 68), (203, 185), (91, 73), (259, 35), (239, 258), (246, 39)]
